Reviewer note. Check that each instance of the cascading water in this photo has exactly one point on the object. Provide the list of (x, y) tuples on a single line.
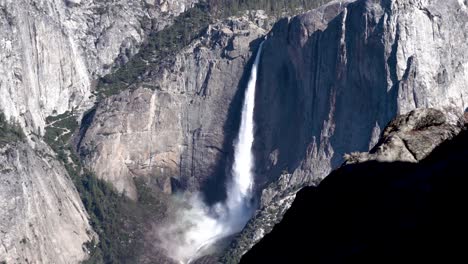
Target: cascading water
[(240, 190), (200, 227)]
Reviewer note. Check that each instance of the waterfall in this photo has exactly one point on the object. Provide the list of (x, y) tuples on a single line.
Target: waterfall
[(200, 227), (239, 191)]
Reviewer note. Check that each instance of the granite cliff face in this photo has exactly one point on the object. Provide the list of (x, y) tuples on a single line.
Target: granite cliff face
[(42, 218), (53, 50), (50, 53), (176, 128), (330, 79)]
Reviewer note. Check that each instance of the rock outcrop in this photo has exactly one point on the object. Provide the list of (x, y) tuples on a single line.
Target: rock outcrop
[(42, 218), (330, 79), (386, 212), (175, 129), (410, 137)]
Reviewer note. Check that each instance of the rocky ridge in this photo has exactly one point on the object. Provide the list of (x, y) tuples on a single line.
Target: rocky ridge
[(410, 137)]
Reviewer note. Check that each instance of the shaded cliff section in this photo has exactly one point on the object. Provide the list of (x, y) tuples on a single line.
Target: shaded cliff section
[(407, 138), (377, 212), (332, 78)]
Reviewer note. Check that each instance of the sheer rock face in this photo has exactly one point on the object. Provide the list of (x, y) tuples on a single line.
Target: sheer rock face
[(174, 128), (332, 78), (42, 219), (52, 50)]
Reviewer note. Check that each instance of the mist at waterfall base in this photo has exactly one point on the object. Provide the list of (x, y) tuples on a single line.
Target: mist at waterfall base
[(197, 227)]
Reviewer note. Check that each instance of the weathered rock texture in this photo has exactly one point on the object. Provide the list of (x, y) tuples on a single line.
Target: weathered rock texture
[(174, 128), (42, 219), (52, 50), (330, 79), (410, 137)]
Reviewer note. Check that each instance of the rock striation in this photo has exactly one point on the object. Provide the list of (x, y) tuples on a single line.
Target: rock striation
[(42, 218), (50, 53), (53, 50), (333, 77)]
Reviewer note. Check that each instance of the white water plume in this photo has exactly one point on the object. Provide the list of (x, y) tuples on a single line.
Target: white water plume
[(197, 228)]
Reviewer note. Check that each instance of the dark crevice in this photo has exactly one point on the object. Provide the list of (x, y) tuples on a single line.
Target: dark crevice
[(409, 149), (86, 123), (203, 90)]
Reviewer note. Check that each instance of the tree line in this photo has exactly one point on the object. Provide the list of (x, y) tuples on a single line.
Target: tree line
[(272, 7)]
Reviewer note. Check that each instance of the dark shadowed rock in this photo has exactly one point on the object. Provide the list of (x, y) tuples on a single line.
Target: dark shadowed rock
[(332, 78), (372, 212)]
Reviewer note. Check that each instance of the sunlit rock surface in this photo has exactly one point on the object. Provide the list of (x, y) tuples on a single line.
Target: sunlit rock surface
[(176, 128), (42, 219), (51, 51)]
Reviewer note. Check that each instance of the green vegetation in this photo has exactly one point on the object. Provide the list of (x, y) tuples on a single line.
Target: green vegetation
[(159, 45), (58, 132), (276, 8), (120, 223), (186, 27), (10, 131)]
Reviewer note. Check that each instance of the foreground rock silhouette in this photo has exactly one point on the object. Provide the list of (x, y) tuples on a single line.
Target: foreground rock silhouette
[(375, 212)]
